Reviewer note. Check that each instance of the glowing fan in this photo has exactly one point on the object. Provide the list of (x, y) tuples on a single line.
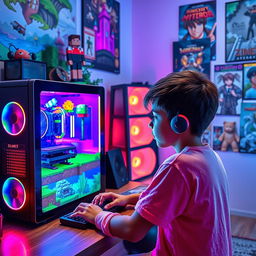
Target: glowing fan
[(13, 118), (14, 193), (44, 122)]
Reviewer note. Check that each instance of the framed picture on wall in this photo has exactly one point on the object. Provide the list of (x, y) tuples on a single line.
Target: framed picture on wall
[(206, 136), (248, 127), (240, 36), (229, 80), (198, 21), (249, 88), (101, 34), (226, 134), (40, 27), (192, 55)]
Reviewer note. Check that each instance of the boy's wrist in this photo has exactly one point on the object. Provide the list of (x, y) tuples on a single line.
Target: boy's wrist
[(133, 198), (102, 221)]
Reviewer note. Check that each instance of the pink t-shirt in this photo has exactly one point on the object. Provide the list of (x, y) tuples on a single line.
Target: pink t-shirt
[(188, 200)]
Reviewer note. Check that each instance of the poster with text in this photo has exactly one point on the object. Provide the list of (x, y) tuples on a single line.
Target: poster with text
[(198, 21), (40, 27), (248, 127), (240, 30), (192, 55), (229, 80), (101, 34)]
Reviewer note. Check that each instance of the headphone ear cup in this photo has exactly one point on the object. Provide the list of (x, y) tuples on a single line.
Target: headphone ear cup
[(179, 124)]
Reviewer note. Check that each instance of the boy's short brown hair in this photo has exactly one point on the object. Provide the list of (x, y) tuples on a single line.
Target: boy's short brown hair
[(189, 93)]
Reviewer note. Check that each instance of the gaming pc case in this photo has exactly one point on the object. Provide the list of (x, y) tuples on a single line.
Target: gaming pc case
[(51, 147)]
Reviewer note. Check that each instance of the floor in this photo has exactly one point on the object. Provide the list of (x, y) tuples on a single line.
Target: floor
[(243, 227)]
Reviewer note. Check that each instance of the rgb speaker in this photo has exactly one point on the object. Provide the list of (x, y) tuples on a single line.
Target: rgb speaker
[(129, 117), (117, 174)]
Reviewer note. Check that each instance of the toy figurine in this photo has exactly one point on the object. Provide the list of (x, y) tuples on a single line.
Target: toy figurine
[(19, 54), (229, 137), (75, 57)]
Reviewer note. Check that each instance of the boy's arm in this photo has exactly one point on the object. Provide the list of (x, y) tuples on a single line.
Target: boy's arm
[(132, 228)]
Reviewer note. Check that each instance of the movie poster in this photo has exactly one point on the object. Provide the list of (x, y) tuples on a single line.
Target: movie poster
[(240, 30), (248, 128), (198, 21), (229, 81), (192, 55), (101, 34), (226, 135), (41, 28), (249, 89)]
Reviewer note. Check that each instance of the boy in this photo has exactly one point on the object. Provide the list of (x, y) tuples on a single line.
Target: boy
[(251, 92), (188, 196)]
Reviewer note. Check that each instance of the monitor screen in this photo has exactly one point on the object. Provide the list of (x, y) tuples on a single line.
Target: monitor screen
[(70, 147)]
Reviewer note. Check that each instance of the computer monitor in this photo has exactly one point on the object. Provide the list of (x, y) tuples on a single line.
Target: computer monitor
[(52, 142)]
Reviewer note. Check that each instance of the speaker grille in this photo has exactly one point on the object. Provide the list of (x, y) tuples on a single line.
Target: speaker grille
[(14, 161)]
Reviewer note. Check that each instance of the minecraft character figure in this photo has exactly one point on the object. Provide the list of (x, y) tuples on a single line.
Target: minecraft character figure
[(75, 57)]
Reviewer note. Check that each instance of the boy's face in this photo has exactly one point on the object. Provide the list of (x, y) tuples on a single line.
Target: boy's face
[(196, 31), (161, 129), (253, 80)]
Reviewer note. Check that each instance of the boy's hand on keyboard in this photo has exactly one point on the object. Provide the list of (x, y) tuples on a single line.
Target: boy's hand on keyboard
[(87, 211), (115, 200)]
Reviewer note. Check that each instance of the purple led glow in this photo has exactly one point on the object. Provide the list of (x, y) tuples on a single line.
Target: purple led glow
[(13, 118), (14, 194)]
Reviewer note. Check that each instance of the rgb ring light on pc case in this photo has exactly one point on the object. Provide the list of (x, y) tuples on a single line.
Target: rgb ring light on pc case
[(44, 123), (14, 194), (13, 118)]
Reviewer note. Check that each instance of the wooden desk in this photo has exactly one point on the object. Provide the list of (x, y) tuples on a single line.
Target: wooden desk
[(57, 240)]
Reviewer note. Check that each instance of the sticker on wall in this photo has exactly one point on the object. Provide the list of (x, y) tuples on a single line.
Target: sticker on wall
[(229, 79), (101, 34), (240, 35), (198, 21), (249, 89), (192, 55), (248, 128)]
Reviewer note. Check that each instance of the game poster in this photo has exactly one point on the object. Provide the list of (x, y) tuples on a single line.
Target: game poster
[(41, 28), (229, 80), (248, 128), (249, 88), (101, 34), (198, 21), (240, 30), (192, 55)]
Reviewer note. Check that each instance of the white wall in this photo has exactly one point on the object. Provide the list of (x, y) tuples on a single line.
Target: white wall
[(155, 27)]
